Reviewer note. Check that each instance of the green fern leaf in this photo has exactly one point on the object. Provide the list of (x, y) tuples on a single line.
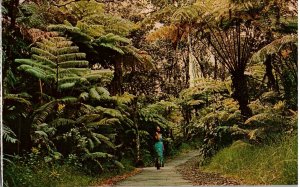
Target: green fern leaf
[(119, 164), (97, 155), (67, 85), (88, 118), (84, 96), (91, 144), (102, 91), (69, 100), (94, 94), (8, 134), (61, 122)]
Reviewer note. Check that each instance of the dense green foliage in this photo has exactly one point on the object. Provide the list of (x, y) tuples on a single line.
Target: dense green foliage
[(274, 163), (86, 83)]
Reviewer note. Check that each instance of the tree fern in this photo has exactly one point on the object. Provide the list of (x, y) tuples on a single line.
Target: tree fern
[(185, 14), (273, 48), (57, 55), (8, 135)]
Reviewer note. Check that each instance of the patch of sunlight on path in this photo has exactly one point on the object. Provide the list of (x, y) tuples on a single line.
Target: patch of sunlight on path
[(166, 176)]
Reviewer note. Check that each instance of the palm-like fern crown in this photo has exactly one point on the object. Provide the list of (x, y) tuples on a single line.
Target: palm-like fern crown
[(57, 60), (90, 16)]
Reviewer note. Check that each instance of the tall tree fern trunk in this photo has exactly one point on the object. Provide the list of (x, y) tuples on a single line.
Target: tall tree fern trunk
[(191, 70), (240, 92), (12, 13), (215, 68), (118, 77), (41, 90), (139, 161), (138, 145), (269, 74), (187, 75)]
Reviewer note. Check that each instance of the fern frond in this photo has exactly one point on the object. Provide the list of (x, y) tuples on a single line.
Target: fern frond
[(96, 140), (74, 30), (8, 134), (97, 155), (88, 118), (257, 119), (125, 98), (17, 98), (94, 94), (70, 80), (61, 122), (73, 63), (75, 71), (273, 48), (35, 72), (169, 32), (42, 52), (44, 60), (68, 100), (91, 29), (42, 112), (84, 96), (119, 164), (105, 121), (66, 86), (186, 14), (41, 133), (105, 140), (91, 143), (113, 113), (71, 57), (102, 91), (112, 47)]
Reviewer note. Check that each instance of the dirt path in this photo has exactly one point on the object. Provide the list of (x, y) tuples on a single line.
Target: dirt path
[(166, 176)]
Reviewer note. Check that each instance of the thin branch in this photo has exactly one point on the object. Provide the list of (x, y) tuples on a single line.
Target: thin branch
[(244, 52), (218, 50), (219, 56), (225, 48)]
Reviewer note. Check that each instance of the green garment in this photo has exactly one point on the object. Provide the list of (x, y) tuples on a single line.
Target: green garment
[(159, 149)]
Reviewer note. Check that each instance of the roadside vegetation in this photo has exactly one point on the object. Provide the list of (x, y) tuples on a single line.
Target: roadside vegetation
[(273, 163), (86, 83)]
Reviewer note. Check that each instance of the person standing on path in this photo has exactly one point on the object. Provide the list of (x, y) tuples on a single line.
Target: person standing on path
[(159, 148)]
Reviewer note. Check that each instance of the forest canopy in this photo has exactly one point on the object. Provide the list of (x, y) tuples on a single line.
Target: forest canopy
[(85, 83)]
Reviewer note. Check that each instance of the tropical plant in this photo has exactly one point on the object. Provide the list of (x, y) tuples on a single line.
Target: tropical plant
[(113, 50), (58, 63)]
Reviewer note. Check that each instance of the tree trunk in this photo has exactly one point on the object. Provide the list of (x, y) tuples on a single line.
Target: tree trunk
[(12, 13), (41, 91), (191, 63), (215, 68), (139, 162), (269, 74), (240, 92), (187, 75), (118, 78)]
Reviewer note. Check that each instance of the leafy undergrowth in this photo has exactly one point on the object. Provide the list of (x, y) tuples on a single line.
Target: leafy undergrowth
[(38, 173), (184, 147), (22, 175), (275, 163)]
